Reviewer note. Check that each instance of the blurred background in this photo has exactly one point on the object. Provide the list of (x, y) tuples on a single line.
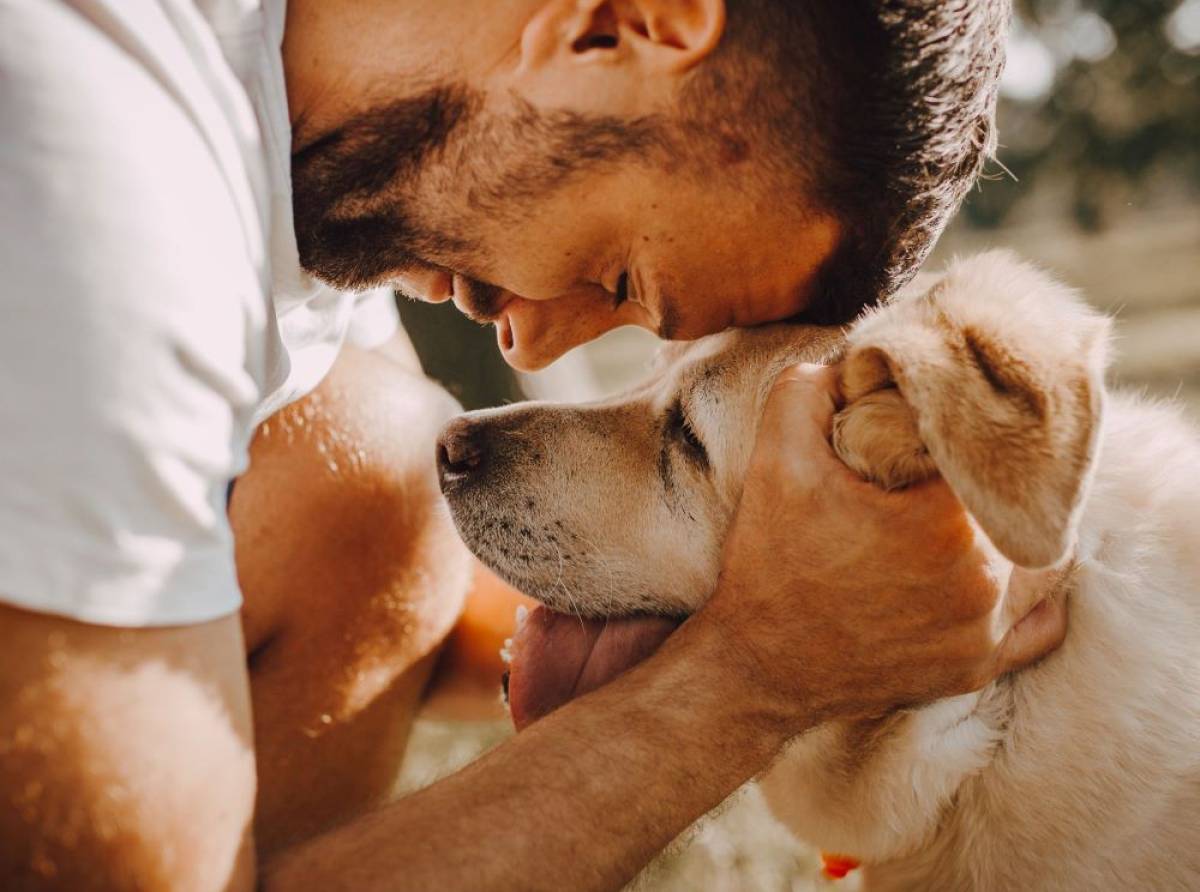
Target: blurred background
[(1097, 177)]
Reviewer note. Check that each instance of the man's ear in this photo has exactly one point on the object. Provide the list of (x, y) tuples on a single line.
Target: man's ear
[(1002, 371), (645, 37)]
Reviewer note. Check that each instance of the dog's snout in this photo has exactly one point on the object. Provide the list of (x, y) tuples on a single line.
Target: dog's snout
[(461, 450)]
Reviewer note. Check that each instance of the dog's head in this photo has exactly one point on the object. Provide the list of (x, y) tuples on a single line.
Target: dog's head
[(620, 506), (990, 374), (991, 377)]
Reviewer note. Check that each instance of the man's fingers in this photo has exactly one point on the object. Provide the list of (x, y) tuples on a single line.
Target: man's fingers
[(798, 416), (1035, 611), (1037, 634), (1026, 589), (804, 392)]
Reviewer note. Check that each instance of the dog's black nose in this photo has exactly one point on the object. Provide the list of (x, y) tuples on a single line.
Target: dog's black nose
[(461, 450)]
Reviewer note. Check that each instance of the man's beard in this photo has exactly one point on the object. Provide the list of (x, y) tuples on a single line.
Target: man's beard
[(352, 188)]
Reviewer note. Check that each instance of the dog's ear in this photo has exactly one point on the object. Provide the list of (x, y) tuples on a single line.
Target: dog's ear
[(994, 378)]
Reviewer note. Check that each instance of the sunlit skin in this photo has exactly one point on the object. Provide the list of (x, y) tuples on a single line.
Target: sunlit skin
[(746, 266), (701, 254)]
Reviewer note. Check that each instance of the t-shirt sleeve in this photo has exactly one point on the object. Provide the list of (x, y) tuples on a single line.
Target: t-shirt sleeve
[(375, 318), (130, 308)]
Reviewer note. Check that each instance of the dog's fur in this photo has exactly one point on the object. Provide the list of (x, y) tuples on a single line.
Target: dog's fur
[(1081, 773)]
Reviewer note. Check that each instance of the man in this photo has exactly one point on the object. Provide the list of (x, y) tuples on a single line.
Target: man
[(557, 168)]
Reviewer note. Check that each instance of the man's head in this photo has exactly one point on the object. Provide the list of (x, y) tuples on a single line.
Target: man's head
[(562, 167)]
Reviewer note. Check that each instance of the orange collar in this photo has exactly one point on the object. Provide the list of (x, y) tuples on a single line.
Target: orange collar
[(835, 867)]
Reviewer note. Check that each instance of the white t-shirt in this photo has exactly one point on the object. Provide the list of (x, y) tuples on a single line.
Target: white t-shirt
[(152, 307)]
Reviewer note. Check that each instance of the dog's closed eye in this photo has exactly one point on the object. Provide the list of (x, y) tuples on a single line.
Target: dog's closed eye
[(681, 428)]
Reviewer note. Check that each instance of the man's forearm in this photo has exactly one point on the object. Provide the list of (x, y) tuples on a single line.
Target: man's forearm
[(580, 800)]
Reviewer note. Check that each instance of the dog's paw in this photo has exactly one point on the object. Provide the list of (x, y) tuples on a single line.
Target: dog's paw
[(877, 438), (993, 376), (876, 432)]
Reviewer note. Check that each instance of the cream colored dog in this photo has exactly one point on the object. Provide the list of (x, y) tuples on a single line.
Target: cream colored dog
[(1082, 773)]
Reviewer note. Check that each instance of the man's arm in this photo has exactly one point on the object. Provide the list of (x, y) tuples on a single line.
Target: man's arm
[(127, 754), (126, 757), (580, 800), (836, 600)]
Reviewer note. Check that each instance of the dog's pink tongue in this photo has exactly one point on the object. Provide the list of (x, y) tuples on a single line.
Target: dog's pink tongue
[(556, 657)]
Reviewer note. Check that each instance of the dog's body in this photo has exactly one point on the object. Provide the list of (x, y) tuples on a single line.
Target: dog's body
[(1081, 773)]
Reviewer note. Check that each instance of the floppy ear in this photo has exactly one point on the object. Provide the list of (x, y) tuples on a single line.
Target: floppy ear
[(994, 378)]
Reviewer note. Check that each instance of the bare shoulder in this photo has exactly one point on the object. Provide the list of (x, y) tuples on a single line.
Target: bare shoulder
[(128, 756)]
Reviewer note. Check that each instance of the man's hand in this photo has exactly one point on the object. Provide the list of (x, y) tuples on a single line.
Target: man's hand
[(848, 600), (837, 599)]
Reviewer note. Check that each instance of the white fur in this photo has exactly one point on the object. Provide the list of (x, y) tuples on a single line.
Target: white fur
[(1082, 773)]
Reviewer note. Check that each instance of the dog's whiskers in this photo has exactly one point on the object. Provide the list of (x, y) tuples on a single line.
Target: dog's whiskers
[(603, 561), (560, 583)]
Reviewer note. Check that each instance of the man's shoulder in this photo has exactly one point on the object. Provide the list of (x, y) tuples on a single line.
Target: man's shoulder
[(129, 94), (94, 47)]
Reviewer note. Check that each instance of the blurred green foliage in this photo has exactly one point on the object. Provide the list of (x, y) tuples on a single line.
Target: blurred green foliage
[(1101, 105), (460, 354)]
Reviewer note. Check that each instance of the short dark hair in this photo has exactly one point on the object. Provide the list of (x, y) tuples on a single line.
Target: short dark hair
[(881, 111)]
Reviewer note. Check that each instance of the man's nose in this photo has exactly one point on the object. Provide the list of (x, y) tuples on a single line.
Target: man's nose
[(427, 283), (462, 450)]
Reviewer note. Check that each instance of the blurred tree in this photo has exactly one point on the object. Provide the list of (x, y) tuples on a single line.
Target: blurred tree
[(459, 353), (1100, 105)]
